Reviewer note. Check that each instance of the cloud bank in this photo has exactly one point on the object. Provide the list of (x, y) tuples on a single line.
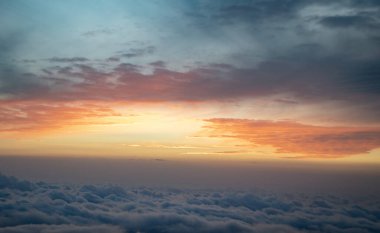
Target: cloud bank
[(44, 207)]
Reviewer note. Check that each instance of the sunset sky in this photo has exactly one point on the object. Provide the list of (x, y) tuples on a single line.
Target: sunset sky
[(183, 116), (191, 80)]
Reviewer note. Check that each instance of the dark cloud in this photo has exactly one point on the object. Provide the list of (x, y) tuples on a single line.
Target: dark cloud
[(319, 61), (61, 228), (65, 208), (14, 79), (350, 21), (104, 31), (15, 84), (138, 52), (256, 11), (66, 59), (113, 59), (13, 183), (262, 13), (363, 3)]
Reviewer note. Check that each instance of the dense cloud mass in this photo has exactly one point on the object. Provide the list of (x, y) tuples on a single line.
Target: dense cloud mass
[(43, 207)]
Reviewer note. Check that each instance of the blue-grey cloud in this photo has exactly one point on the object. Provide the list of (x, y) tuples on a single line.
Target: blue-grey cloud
[(61, 228), (66, 59), (350, 21), (48, 207)]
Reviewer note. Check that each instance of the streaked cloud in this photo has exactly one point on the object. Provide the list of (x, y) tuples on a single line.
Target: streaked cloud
[(296, 138), (40, 116)]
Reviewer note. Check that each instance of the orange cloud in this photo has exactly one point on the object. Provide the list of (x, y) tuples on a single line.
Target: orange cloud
[(33, 116), (301, 139)]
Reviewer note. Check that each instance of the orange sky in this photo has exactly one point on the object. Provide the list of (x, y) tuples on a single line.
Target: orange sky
[(180, 130)]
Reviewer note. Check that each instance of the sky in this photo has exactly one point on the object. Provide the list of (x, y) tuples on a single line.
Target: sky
[(209, 116), (191, 80)]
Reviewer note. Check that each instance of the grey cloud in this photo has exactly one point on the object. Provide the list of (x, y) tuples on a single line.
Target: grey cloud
[(66, 59), (137, 52), (104, 31), (350, 21), (258, 11), (16, 84), (15, 79), (364, 3), (286, 33), (113, 59), (228, 12), (65, 208), (62, 228), (13, 183)]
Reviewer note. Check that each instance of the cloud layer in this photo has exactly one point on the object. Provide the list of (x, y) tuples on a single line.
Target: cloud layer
[(44, 207)]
